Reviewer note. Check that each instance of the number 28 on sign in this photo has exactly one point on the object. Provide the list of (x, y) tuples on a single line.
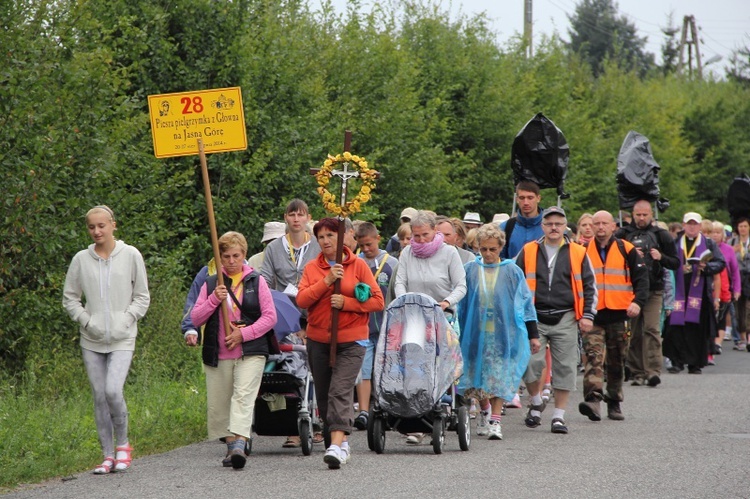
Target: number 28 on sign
[(214, 116)]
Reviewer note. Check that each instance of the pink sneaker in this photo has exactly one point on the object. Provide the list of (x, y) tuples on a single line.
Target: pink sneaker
[(515, 403)]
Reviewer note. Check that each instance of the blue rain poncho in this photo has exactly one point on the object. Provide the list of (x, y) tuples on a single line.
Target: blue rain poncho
[(494, 338)]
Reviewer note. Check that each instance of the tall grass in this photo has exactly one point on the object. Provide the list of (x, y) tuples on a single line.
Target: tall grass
[(47, 424)]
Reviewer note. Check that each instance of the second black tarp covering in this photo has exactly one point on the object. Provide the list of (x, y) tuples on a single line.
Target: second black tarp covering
[(540, 154), (637, 171), (738, 198)]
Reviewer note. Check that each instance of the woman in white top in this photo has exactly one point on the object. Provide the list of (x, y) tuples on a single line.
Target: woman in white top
[(434, 268), (112, 277)]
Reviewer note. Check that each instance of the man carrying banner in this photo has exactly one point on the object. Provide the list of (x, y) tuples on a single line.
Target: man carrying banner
[(657, 249)]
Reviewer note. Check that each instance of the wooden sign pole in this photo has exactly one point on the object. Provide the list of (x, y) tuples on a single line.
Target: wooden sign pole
[(214, 236)]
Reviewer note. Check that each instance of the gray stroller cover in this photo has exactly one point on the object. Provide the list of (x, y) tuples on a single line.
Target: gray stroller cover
[(417, 358)]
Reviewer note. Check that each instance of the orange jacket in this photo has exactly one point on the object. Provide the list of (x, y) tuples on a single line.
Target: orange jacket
[(577, 254), (315, 296), (612, 277)]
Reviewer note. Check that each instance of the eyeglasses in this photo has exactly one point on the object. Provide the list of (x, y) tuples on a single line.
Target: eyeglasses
[(554, 224)]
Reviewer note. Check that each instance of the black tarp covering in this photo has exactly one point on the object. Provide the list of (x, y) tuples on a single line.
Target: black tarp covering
[(637, 172), (540, 154), (738, 198)]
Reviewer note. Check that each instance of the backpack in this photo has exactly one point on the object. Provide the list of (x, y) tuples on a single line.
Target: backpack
[(645, 240)]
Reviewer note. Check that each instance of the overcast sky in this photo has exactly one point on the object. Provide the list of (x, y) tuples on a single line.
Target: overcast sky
[(724, 24)]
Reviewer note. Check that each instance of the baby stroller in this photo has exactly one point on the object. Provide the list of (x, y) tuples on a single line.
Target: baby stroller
[(286, 400), (417, 361)]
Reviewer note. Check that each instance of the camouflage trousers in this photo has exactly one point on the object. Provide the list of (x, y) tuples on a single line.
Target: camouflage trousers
[(609, 342)]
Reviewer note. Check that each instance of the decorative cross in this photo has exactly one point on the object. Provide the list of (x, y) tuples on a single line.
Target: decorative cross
[(345, 175)]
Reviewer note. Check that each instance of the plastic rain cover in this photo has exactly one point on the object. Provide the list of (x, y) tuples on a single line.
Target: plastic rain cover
[(417, 357), (540, 154), (637, 171)]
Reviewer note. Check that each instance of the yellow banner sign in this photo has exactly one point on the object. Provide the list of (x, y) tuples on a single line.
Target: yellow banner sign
[(179, 120)]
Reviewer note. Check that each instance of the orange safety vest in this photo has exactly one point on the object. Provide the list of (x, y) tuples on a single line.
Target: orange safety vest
[(577, 254), (612, 276)]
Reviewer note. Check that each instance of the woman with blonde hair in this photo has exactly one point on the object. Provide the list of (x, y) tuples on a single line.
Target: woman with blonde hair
[(498, 330), (585, 227), (112, 277)]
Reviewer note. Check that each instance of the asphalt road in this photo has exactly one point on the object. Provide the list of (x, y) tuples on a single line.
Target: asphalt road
[(687, 438)]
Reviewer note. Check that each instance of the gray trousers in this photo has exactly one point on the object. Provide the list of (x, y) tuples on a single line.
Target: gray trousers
[(644, 356), (334, 386), (107, 373)]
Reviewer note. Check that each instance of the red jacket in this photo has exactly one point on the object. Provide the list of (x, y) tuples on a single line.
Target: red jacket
[(315, 296)]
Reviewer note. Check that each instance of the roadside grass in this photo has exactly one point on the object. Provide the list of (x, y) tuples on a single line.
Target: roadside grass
[(42, 439), (47, 426)]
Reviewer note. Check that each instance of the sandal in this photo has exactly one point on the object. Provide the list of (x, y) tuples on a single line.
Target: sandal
[(124, 463), (105, 467), (318, 437), (292, 442)]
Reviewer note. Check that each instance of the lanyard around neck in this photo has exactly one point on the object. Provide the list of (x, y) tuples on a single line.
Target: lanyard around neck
[(380, 267), (692, 250), (291, 248)]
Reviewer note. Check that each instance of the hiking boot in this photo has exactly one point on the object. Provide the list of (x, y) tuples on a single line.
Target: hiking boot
[(613, 410), (236, 453), (591, 410)]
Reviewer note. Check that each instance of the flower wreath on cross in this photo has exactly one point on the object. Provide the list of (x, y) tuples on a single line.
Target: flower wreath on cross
[(325, 173)]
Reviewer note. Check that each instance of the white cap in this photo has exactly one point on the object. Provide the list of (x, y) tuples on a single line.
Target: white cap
[(408, 213), (499, 218), (273, 230), (691, 215)]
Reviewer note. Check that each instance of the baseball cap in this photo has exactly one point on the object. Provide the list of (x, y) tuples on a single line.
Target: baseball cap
[(472, 218), (409, 213), (273, 230), (691, 215), (554, 210)]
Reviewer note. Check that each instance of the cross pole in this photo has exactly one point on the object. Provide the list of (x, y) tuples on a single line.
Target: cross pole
[(345, 176)]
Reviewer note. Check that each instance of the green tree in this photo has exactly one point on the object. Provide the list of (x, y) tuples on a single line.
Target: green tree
[(597, 32)]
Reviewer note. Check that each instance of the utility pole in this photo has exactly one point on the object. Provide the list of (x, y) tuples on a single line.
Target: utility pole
[(527, 23), (689, 29)]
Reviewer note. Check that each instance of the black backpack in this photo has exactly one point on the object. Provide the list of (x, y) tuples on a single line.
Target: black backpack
[(645, 240)]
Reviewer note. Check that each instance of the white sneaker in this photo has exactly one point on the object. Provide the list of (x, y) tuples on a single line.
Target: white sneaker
[(345, 454), (414, 438), (482, 425), (333, 457), (495, 431)]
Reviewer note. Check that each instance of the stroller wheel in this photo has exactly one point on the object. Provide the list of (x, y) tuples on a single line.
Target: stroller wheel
[(438, 435), (371, 430), (305, 435), (464, 428), (378, 434)]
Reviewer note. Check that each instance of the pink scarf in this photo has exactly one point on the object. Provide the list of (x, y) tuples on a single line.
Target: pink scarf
[(426, 250)]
